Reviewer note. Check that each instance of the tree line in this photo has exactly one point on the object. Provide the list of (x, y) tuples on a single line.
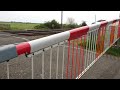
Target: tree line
[(53, 24)]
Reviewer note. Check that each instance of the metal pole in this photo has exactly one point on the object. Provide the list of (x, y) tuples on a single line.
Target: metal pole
[(61, 19), (50, 61), (8, 74), (119, 15), (57, 62), (63, 59), (32, 68), (43, 64)]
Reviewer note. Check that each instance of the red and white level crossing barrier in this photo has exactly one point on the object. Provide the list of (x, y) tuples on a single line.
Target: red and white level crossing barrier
[(83, 47)]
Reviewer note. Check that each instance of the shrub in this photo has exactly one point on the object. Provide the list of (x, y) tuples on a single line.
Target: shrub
[(50, 25), (5, 27)]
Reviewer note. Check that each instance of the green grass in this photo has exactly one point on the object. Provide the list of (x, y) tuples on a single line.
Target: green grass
[(114, 50), (20, 26), (89, 44)]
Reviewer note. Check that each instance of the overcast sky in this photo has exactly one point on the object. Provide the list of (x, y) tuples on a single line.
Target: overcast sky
[(42, 16)]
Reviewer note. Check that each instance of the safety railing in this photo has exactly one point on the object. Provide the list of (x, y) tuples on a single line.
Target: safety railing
[(66, 55)]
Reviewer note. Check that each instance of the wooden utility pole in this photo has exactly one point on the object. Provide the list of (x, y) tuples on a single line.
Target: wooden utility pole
[(95, 18), (61, 19)]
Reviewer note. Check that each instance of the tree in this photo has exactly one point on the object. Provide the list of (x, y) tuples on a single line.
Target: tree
[(49, 24), (40, 26), (72, 25), (70, 21), (83, 24), (52, 25)]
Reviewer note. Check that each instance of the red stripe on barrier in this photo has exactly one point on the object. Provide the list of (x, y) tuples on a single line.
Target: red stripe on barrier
[(118, 30), (112, 32), (98, 44), (114, 21), (78, 32), (101, 42), (104, 31), (23, 48), (103, 24), (100, 37), (119, 33)]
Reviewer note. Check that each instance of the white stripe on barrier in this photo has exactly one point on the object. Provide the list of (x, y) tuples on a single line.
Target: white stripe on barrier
[(48, 41), (94, 26)]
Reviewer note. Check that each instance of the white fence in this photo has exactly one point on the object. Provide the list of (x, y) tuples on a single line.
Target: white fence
[(66, 55)]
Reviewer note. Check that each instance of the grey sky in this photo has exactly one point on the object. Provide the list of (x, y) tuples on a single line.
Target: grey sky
[(41, 16)]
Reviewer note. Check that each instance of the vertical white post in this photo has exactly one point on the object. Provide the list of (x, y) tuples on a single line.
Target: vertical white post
[(88, 59), (61, 19), (93, 48), (32, 67), (90, 47), (57, 62), (86, 52), (63, 60), (95, 18), (91, 42), (7, 69), (50, 61), (94, 43), (119, 15), (96, 36), (43, 64)]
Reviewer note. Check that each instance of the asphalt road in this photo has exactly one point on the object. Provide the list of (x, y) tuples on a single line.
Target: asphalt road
[(107, 67)]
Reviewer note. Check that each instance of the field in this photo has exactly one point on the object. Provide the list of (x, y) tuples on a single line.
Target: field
[(20, 26)]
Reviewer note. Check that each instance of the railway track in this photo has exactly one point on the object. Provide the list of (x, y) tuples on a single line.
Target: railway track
[(33, 32)]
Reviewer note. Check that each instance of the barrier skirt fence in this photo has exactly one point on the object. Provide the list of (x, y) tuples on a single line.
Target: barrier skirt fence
[(66, 55)]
